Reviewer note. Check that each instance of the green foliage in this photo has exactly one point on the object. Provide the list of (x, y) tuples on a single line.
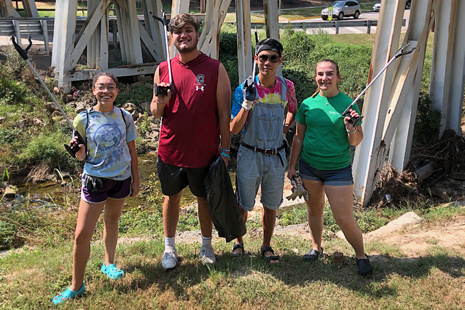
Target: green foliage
[(11, 92), (427, 122), (7, 235), (47, 147), (137, 94)]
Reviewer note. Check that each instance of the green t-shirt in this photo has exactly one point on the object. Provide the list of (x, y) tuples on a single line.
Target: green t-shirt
[(325, 145)]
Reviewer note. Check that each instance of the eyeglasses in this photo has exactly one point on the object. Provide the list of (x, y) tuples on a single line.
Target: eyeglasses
[(102, 88), (273, 58)]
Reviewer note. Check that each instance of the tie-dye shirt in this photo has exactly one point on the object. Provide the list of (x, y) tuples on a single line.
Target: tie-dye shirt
[(107, 143), (266, 95)]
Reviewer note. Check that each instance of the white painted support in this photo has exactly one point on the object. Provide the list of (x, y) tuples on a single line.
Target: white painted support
[(154, 29), (270, 9), (420, 22), (93, 45), (244, 42), (457, 82), (177, 6), (81, 75), (214, 17), (148, 42), (43, 25), (8, 10), (121, 30), (30, 8), (88, 30), (134, 39), (366, 164), (441, 64), (104, 28), (64, 44), (58, 32)]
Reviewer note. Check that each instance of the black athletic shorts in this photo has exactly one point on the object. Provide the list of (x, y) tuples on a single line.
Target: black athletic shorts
[(173, 179)]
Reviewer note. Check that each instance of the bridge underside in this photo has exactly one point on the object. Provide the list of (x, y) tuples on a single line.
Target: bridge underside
[(390, 103)]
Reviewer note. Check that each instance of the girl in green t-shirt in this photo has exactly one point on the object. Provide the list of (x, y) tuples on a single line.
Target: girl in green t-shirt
[(322, 141)]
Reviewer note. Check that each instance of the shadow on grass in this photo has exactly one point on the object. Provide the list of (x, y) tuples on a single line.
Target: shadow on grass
[(293, 271)]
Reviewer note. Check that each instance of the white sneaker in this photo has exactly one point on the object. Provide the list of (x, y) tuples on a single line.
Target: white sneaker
[(207, 255), (170, 259)]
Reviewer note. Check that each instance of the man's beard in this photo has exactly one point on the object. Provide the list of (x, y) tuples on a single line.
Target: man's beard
[(187, 49)]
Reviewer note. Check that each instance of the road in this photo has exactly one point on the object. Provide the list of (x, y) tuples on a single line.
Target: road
[(349, 30)]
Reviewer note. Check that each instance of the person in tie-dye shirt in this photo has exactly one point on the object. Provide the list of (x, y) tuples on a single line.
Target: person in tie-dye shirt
[(111, 174), (263, 107)]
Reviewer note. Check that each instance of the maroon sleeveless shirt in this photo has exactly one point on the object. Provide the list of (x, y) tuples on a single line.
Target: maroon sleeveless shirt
[(190, 135)]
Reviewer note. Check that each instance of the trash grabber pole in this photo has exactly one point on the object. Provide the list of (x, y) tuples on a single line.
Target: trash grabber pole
[(251, 79), (23, 53), (163, 90), (400, 52)]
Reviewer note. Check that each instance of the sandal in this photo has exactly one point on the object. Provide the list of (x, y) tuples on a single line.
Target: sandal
[(264, 249), (238, 246), (112, 271), (68, 294)]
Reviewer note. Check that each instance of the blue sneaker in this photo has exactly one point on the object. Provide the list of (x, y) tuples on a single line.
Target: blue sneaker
[(112, 271), (68, 294)]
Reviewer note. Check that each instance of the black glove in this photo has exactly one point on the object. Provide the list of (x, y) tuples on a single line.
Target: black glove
[(249, 92)]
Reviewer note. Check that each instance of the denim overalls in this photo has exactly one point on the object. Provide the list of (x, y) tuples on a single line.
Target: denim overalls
[(254, 168)]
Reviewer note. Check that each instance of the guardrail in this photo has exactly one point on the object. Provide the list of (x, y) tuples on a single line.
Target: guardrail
[(333, 24), (44, 26)]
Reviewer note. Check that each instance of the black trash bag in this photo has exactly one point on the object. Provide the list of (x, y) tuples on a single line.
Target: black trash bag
[(222, 203)]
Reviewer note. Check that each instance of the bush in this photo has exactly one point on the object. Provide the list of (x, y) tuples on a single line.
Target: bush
[(47, 148), (427, 122)]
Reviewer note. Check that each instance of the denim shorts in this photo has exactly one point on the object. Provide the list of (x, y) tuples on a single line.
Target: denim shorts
[(256, 169), (111, 189), (338, 177)]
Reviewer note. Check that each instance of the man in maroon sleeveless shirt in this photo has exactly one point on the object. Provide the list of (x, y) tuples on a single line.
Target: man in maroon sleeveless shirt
[(195, 122)]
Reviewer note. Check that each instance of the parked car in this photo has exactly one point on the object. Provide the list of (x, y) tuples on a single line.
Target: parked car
[(342, 9), (377, 5)]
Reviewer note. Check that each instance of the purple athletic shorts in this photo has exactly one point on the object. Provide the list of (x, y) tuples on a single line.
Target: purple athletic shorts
[(110, 189)]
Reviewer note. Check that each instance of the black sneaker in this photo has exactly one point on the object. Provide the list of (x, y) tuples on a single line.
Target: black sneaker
[(364, 267), (313, 255)]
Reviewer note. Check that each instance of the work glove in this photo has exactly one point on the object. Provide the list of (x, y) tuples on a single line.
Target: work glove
[(249, 92), (92, 184), (298, 189)]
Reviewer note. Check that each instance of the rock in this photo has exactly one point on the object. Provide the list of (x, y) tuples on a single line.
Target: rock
[(80, 106), (135, 115), (130, 107), (10, 191), (145, 107), (2, 119), (409, 218), (50, 106)]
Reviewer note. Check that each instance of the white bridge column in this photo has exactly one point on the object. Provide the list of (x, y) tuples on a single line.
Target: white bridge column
[(441, 65), (244, 44)]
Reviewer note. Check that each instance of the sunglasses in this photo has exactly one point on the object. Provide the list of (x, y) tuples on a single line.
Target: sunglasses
[(273, 58)]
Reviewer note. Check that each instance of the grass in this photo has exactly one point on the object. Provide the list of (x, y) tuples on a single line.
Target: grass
[(430, 282)]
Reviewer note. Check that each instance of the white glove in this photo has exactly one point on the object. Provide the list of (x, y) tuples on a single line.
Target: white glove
[(247, 104), (298, 189)]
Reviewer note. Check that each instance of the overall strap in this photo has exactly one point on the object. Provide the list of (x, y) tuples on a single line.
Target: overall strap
[(283, 88)]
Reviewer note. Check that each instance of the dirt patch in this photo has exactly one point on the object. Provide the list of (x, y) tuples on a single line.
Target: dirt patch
[(419, 239)]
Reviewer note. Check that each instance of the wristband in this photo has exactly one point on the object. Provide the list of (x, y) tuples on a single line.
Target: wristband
[(351, 132), (225, 155), (224, 150)]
